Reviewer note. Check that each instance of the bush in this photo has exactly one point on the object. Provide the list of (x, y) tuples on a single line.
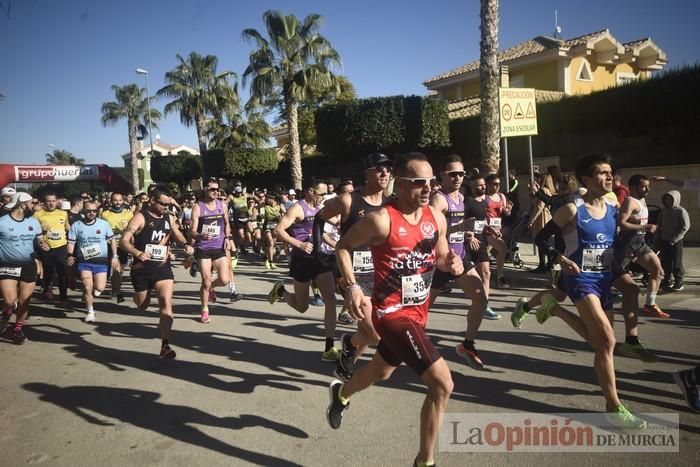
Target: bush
[(239, 163), (181, 169), (388, 124)]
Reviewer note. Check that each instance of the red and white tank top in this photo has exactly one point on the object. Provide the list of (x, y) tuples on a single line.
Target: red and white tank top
[(404, 267), (494, 210)]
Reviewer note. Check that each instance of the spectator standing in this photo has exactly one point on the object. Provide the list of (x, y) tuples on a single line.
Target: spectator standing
[(672, 225)]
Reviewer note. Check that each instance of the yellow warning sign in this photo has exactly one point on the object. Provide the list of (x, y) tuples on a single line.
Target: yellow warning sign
[(514, 120)]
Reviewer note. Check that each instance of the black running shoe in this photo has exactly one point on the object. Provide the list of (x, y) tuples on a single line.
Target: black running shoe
[(120, 298), (18, 337), (346, 363), (166, 352), (335, 410), (4, 321)]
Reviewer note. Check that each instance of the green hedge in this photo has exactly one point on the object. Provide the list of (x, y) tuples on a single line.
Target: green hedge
[(388, 124), (181, 169), (239, 163), (646, 123)]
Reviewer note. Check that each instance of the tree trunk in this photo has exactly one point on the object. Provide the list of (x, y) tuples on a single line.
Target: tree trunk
[(489, 80), (134, 158), (294, 148), (200, 123)]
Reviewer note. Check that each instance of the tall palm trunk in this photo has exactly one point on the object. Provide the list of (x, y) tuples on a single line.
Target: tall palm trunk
[(292, 107), (488, 73), (134, 157), (200, 123)]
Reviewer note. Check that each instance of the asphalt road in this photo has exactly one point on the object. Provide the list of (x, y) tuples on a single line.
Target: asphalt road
[(249, 388)]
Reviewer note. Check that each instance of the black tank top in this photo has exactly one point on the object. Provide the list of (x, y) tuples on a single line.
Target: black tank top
[(359, 208), (155, 233)]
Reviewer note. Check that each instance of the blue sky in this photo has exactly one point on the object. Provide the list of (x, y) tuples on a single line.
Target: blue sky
[(58, 59)]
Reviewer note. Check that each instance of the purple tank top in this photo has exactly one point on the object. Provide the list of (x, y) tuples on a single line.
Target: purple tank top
[(211, 221), (455, 215), (302, 230)]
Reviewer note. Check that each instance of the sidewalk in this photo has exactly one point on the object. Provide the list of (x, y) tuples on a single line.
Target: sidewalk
[(250, 388)]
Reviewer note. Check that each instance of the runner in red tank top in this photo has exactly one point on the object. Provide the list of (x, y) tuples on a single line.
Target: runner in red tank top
[(407, 239), (497, 207)]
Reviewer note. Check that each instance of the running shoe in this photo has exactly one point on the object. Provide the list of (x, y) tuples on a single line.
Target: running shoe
[(345, 318), (346, 362), (501, 283), (4, 321), (90, 317), (654, 311), (18, 337), (234, 297), (276, 293), (334, 412), (544, 312), (234, 261), (204, 318), (267, 265), (637, 351), (212, 296), (423, 464), (490, 314), (273, 266), (687, 382), (166, 352), (471, 356), (677, 285), (623, 418), (316, 301), (120, 298), (541, 269), (519, 314), (330, 355), (193, 270), (447, 288), (47, 294)]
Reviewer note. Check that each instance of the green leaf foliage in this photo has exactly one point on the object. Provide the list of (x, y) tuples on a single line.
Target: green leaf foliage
[(180, 169), (239, 163), (644, 123), (388, 124)]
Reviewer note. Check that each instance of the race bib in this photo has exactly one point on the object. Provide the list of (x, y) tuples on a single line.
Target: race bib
[(91, 251), (597, 260), (271, 225), (415, 288), (362, 261), (10, 271), (479, 227), (495, 222), (456, 237), (211, 230), (51, 235), (642, 223), (157, 252)]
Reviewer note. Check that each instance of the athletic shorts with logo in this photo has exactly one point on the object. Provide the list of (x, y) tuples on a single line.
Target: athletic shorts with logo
[(24, 272), (405, 341)]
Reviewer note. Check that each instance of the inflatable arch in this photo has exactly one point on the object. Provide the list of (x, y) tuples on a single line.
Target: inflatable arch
[(10, 173)]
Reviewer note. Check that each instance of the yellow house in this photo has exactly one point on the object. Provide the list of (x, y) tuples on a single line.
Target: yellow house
[(581, 65)]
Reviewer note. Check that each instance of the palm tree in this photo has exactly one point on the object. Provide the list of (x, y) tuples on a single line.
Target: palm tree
[(199, 92), (488, 75), (131, 104), (61, 157), (293, 58), (239, 131)]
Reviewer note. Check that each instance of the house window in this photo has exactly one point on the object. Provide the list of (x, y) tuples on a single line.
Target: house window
[(584, 71), (624, 78), (517, 81)]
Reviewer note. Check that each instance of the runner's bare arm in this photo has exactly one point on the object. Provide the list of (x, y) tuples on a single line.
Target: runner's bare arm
[(135, 226), (370, 230), (194, 224), (626, 210), (565, 218), (440, 204), (294, 214), (338, 205)]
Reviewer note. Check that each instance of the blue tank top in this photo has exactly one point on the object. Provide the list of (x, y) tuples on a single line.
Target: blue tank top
[(17, 239), (303, 229), (211, 221), (590, 246), (455, 215), (91, 240)]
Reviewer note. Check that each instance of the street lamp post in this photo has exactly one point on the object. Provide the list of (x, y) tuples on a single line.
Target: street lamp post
[(141, 71)]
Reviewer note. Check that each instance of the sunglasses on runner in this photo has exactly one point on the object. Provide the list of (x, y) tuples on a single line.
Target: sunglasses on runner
[(419, 182), (381, 168), (456, 173), (212, 189)]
